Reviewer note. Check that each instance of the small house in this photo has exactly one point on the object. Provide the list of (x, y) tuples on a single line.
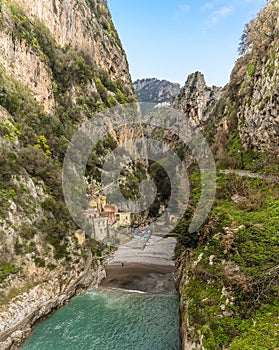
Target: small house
[(123, 219), (109, 211), (91, 213), (100, 228), (98, 203)]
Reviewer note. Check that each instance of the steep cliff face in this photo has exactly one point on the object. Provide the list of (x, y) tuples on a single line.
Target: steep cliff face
[(85, 25), (248, 113), (241, 118), (21, 61), (247, 107), (61, 62), (228, 269), (259, 113), (155, 90), (35, 36)]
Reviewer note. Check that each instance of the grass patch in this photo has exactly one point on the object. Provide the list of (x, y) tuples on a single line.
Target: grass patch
[(232, 289)]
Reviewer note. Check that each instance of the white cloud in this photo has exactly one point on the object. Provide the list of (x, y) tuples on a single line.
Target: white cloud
[(218, 15), (209, 5), (224, 11), (184, 8)]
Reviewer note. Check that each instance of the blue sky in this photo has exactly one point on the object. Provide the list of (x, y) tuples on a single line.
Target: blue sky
[(169, 39)]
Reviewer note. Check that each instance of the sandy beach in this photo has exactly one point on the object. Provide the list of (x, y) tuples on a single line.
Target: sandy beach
[(145, 278), (143, 265), (158, 250)]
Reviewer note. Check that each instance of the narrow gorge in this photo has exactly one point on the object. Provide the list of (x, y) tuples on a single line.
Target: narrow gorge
[(212, 287)]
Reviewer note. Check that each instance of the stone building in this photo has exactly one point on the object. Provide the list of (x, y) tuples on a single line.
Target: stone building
[(110, 213), (100, 229), (91, 213), (123, 219), (98, 203)]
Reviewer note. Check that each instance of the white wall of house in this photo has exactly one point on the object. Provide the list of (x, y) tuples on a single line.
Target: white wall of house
[(100, 228)]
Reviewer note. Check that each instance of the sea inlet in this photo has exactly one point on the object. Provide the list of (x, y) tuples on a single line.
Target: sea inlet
[(135, 308)]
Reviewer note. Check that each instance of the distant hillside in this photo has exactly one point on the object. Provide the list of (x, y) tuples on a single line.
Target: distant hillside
[(155, 90)]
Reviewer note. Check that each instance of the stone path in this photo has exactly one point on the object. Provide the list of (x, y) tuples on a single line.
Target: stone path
[(246, 173)]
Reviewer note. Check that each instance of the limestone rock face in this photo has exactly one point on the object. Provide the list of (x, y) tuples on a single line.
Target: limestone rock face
[(17, 317), (86, 25), (196, 99), (259, 113), (249, 104), (27, 67), (251, 99)]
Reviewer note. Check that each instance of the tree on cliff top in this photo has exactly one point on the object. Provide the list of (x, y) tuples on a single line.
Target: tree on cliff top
[(261, 32)]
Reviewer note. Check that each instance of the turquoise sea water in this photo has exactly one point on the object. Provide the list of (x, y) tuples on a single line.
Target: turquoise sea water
[(111, 320)]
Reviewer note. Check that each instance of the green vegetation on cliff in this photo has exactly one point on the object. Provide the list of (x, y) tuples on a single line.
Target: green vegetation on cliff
[(33, 142), (233, 273), (243, 128), (229, 268)]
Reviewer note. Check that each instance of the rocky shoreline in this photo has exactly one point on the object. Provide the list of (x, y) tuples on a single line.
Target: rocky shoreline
[(28, 308), (180, 278), (150, 269)]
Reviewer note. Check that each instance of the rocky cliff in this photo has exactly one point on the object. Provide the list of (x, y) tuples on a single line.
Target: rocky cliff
[(87, 26), (258, 116), (248, 111), (35, 303), (196, 99), (155, 90), (35, 36), (228, 269), (61, 62), (245, 111)]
